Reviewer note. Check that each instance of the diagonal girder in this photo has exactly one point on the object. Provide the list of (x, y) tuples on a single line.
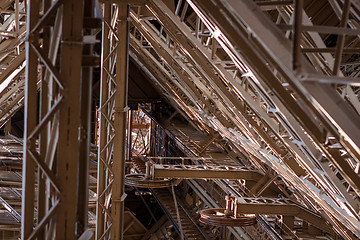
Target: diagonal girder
[(296, 146)]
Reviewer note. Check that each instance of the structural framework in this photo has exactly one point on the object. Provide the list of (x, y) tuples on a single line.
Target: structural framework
[(180, 119)]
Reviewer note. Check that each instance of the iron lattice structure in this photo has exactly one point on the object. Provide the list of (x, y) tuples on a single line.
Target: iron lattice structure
[(54, 140), (261, 79), (112, 127)]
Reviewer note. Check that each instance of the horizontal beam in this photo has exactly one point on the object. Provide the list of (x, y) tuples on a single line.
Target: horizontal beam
[(285, 207), (181, 158), (322, 29), (353, 81), (131, 2), (203, 172), (274, 3), (330, 50)]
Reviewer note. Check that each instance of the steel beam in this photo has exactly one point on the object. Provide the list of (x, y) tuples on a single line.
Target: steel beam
[(322, 95), (203, 172), (85, 131), (297, 35), (341, 38), (27, 212), (42, 202), (57, 162), (120, 117), (69, 118), (274, 206), (104, 110), (113, 109), (296, 147)]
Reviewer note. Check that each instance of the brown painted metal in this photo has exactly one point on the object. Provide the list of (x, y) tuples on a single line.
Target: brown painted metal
[(60, 151), (207, 96), (113, 108), (203, 172), (217, 217), (140, 181)]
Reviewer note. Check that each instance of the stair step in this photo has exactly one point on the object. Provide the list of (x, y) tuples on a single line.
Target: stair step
[(166, 200)]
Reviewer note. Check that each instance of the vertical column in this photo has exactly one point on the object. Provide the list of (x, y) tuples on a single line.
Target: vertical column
[(129, 135), (28, 183), (118, 196), (44, 105), (113, 114), (69, 117), (152, 151), (83, 170), (102, 151), (57, 126), (341, 38), (297, 35)]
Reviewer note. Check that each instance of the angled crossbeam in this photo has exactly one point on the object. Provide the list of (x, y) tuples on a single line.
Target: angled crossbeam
[(10, 209)]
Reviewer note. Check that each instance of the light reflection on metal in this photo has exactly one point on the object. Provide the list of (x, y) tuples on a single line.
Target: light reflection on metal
[(219, 217), (304, 152), (141, 181)]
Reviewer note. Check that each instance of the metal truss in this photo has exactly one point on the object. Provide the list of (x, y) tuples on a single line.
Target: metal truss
[(342, 131), (237, 78), (203, 172), (10, 197), (245, 209), (12, 55), (141, 129), (178, 98), (53, 139), (112, 127), (225, 93), (172, 144)]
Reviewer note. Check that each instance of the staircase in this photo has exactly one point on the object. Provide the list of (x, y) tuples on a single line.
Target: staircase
[(190, 226), (139, 164), (192, 229)]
